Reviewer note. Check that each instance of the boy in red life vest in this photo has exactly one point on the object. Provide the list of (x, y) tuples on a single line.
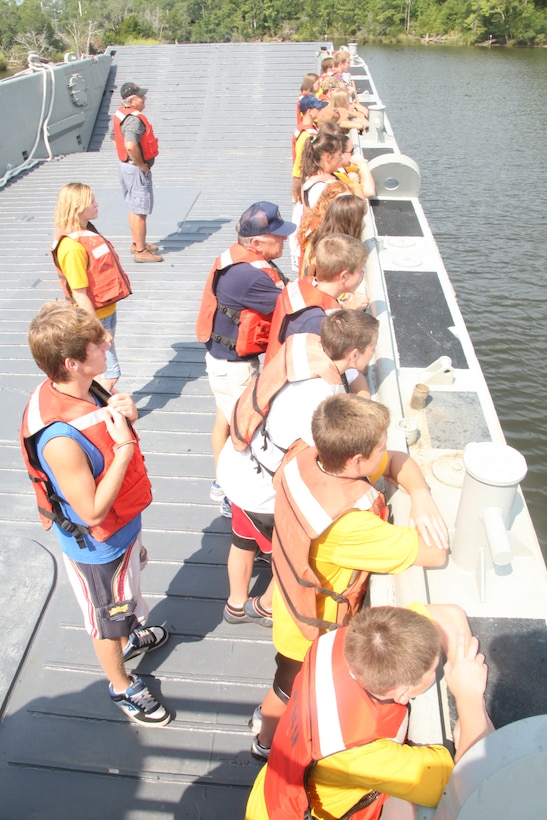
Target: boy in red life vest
[(88, 473), (304, 303), (330, 532), (340, 748), (137, 149)]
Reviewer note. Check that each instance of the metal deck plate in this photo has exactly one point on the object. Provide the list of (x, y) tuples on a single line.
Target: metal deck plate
[(395, 217), (422, 319)]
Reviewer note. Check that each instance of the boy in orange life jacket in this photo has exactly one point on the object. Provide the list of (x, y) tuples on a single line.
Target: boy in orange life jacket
[(340, 748), (301, 308), (329, 511), (88, 473), (271, 414)]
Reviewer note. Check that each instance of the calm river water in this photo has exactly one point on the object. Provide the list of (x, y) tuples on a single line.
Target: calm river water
[(475, 121)]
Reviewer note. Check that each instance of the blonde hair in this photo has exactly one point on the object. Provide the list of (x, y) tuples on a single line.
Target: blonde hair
[(73, 198), (340, 56), (336, 253), (340, 99)]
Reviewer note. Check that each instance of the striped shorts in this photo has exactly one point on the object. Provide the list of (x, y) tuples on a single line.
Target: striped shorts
[(109, 595)]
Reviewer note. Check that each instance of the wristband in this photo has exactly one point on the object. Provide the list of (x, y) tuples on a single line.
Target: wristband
[(123, 444)]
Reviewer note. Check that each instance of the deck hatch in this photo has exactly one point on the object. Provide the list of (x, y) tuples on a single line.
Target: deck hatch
[(454, 418), (396, 217), (422, 319)]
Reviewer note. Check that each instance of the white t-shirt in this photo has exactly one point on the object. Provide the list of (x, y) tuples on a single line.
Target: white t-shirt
[(289, 419)]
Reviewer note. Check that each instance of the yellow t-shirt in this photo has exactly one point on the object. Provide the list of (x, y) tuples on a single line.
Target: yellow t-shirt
[(359, 540), (303, 137), (73, 261), (414, 773), (418, 774)]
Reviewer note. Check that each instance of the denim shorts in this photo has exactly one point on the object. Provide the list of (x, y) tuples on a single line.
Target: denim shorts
[(137, 188), (113, 370)]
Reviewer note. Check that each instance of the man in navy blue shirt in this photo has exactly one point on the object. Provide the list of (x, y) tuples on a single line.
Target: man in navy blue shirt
[(235, 314)]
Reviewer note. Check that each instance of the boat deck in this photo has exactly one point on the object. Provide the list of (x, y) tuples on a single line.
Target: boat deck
[(65, 750), (220, 112)]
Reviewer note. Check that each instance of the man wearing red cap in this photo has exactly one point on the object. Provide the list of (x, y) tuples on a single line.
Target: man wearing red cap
[(137, 148)]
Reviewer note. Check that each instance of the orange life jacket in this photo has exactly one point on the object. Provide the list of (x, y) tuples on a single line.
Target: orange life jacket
[(308, 502), (108, 282), (148, 142), (297, 297), (301, 358), (253, 328), (314, 727), (48, 405)]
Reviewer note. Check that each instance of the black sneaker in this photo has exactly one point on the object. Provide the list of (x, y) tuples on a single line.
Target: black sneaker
[(144, 639), (139, 705)]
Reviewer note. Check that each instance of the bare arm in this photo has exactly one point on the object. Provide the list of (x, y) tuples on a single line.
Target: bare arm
[(135, 155), (81, 297), (365, 177), (124, 404), (466, 678), (424, 513), (70, 466), (360, 386)]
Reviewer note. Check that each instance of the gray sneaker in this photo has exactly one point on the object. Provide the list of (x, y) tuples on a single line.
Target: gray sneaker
[(255, 722), (139, 705), (144, 639)]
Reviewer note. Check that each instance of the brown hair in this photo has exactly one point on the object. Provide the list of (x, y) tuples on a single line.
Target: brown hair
[(331, 127), (71, 201), (344, 215), (327, 63), (62, 331), (313, 217), (347, 425), (347, 330), (387, 647), (336, 253), (314, 151), (308, 82)]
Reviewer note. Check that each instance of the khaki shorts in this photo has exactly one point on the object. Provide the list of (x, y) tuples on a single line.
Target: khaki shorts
[(228, 380)]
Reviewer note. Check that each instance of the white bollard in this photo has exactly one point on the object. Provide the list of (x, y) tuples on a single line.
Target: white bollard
[(492, 475)]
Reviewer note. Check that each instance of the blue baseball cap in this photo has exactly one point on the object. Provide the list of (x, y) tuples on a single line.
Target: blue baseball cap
[(311, 101), (264, 218)]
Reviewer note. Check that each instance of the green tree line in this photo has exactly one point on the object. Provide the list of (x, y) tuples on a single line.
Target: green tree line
[(53, 26)]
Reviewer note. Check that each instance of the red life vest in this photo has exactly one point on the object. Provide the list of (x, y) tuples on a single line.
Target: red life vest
[(328, 712), (253, 328), (108, 282), (301, 358), (48, 405), (148, 142), (308, 502), (297, 297)]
